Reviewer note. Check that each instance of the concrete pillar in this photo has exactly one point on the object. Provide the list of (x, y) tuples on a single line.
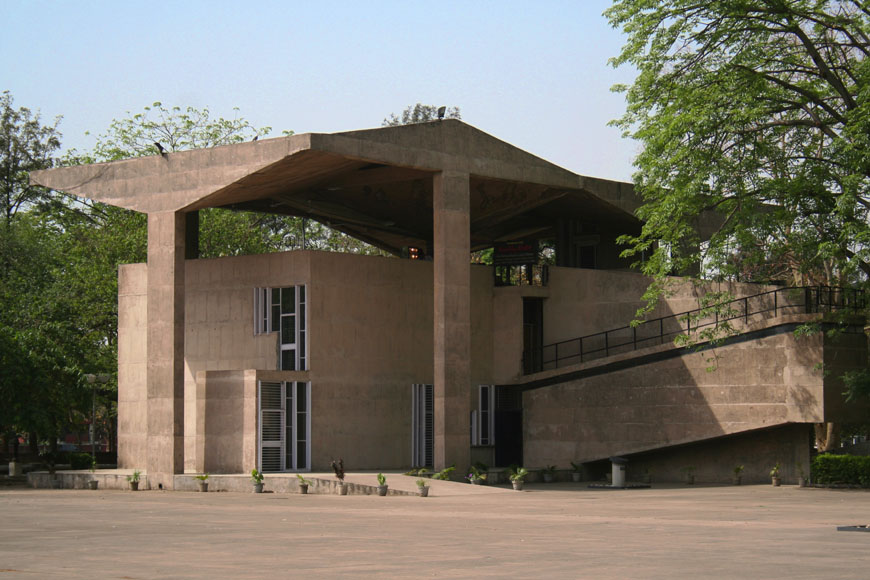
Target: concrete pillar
[(452, 239), (165, 367)]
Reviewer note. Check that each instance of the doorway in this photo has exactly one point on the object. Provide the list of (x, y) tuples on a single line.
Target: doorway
[(508, 426), (533, 335)]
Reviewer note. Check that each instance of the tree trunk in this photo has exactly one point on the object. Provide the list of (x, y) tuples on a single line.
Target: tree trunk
[(827, 436), (34, 444)]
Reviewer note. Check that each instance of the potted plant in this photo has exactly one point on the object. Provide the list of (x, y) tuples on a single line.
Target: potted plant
[(802, 477), (257, 480), (303, 484), (483, 468), (576, 471), (93, 483), (517, 477), (422, 488), (475, 476), (738, 477), (382, 484), (133, 480), (548, 473), (689, 473), (203, 482), (774, 475), (444, 474), (338, 468)]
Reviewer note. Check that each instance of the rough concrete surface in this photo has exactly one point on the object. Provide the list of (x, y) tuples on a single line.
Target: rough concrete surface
[(559, 530)]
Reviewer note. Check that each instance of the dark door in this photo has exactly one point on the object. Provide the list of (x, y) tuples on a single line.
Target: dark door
[(508, 426), (533, 335)]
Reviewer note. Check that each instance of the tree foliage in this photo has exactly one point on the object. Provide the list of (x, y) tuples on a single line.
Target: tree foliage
[(25, 145), (419, 113), (757, 112), (41, 341), (222, 232), (176, 129), (754, 120)]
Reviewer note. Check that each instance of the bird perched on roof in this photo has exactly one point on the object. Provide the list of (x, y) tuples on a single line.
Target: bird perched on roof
[(160, 148), (441, 111)]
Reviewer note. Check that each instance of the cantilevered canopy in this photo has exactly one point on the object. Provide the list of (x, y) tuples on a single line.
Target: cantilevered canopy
[(375, 185)]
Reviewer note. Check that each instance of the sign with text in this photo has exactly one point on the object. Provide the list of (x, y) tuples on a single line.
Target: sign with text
[(515, 254)]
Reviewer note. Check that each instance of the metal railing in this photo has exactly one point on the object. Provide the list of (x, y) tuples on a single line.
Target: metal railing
[(799, 300)]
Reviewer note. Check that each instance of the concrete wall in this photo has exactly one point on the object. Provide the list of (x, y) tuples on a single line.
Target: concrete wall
[(219, 333), (370, 338), (713, 461), (226, 415), (132, 339), (370, 335), (583, 302), (507, 335), (760, 383), (844, 351)]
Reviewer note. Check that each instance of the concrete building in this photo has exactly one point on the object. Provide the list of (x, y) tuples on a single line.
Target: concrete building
[(287, 361)]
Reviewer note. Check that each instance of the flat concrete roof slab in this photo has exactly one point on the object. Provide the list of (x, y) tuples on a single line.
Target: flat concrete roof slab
[(374, 184)]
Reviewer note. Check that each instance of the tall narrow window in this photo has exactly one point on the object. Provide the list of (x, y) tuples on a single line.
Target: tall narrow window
[(284, 310), (485, 423), (285, 426), (272, 418), (422, 425)]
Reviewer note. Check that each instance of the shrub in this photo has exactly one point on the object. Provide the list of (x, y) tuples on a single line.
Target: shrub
[(79, 460), (844, 469)]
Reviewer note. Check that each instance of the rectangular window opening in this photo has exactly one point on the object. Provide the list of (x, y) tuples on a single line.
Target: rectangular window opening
[(283, 310), (285, 426)]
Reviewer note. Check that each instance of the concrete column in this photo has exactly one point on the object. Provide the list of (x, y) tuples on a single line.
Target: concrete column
[(452, 319), (165, 368)]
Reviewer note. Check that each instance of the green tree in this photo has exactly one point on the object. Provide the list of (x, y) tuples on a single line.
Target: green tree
[(755, 112), (176, 129), (25, 145), (42, 345), (38, 380), (420, 113)]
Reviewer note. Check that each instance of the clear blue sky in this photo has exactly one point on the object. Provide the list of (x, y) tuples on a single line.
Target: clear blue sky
[(534, 74)]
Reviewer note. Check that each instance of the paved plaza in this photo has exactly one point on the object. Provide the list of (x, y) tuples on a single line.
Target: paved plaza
[(561, 530)]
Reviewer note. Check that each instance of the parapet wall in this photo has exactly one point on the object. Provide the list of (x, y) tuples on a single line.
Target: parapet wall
[(669, 397)]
